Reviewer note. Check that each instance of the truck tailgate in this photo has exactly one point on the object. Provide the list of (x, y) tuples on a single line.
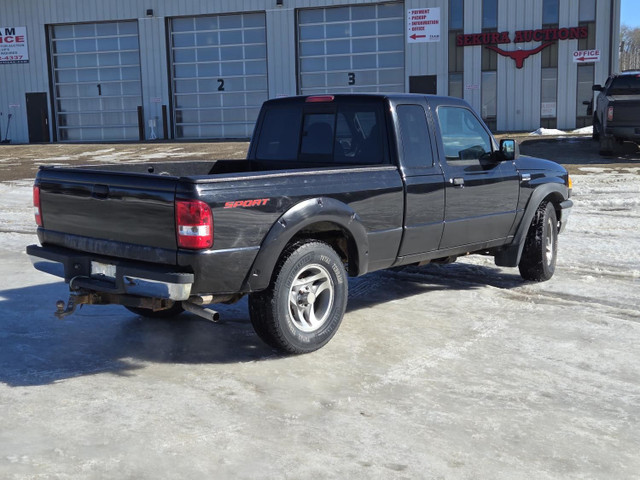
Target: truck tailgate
[(89, 210)]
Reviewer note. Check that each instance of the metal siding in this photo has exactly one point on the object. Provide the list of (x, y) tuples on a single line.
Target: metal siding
[(153, 66), (429, 58), (18, 79), (519, 105), (473, 55), (567, 70), (281, 52)]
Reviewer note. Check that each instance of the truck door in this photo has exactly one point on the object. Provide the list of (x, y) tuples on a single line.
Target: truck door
[(481, 192), (424, 182)]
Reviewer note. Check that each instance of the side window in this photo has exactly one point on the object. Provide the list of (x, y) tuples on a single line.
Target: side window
[(463, 136), (414, 136)]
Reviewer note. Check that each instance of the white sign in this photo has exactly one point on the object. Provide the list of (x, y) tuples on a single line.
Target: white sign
[(586, 56), (472, 87), (156, 100), (548, 109), (423, 25), (13, 45)]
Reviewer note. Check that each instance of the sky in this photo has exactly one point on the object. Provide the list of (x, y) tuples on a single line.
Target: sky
[(630, 13)]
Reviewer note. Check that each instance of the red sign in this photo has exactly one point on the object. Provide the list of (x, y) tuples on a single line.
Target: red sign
[(547, 35), (519, 55), (522, 36), (586, 56)]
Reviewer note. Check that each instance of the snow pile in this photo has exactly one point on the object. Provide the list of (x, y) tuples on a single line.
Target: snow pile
[(555, 132), (548, 132)]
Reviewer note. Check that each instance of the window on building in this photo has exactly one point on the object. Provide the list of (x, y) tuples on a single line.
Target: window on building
[(456, 53), (584, 95), (549, 71), (548, 97), (489, 85), (550, 12), (587, 18), (489, 14)]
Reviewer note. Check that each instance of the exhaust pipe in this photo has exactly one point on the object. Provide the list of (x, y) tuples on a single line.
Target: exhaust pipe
[(206, 313)]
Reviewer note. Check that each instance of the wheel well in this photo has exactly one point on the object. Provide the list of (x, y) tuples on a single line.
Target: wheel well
[(335, 236), (555, 198)]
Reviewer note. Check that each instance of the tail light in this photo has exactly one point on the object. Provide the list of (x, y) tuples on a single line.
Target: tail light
[(36, 206), (610, 114), (194, 224)]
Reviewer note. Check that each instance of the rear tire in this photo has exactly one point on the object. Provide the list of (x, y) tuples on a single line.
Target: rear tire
[(595, 135), (606, 146), (172, 311), (538, 262), (303, 306)]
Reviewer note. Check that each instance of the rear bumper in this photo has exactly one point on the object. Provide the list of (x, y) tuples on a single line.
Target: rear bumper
[(626, 133), (103, 274)]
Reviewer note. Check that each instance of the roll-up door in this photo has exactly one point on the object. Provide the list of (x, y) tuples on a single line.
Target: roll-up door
[(351, 49), (219, 74), (96, 80)]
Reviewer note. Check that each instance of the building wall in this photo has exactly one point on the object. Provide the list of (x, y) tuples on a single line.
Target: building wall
[(519, 89)]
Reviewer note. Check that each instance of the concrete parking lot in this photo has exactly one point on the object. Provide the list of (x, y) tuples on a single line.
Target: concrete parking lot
[(458, 371)]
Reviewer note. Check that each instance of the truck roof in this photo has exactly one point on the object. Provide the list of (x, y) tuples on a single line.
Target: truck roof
[(392, 97)]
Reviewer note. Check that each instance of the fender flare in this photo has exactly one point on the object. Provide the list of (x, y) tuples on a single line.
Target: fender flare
[(298, 217), (555, 192)]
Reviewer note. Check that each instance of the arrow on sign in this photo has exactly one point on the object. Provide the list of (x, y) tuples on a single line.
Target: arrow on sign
[(585, 59), (414, 36)]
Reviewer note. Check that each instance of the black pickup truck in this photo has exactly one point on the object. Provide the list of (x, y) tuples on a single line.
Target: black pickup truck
[(616, 117), (333, 186)]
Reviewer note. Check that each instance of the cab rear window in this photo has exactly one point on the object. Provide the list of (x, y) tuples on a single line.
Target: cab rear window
[(351, 134), (625, 85)]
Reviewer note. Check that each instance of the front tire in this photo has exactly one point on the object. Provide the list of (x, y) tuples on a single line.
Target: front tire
[(303, 306), (538, 262)]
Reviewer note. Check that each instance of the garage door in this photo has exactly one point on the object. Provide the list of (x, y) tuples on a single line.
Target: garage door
[(219, 74), (351, 49), (96, 80)]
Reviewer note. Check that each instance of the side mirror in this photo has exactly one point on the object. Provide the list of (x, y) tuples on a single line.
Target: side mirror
[(509, 149), (597, 88)]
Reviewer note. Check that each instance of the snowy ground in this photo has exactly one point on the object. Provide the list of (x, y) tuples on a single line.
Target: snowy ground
[(457, 371)]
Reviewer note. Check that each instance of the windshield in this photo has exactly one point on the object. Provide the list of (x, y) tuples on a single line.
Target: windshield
[(625, 85)]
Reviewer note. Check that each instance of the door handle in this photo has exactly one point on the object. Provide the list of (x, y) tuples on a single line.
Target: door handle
[(457, 181)]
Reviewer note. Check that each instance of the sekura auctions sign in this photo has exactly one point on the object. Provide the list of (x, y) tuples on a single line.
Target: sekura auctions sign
[(13, 45), (548, 35)]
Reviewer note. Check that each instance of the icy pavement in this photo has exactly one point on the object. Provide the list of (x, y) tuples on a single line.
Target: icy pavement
[(456, 371)]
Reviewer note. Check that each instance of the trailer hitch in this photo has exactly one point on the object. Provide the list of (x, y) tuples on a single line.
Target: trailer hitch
[(88, 297), (74, 300)]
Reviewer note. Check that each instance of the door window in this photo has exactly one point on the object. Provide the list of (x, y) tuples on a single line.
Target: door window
[(463, 136)]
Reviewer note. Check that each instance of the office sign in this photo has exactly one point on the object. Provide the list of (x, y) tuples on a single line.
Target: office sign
[(13, 45), (423, 25)]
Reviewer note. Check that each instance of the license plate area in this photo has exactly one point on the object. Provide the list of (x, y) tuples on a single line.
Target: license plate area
[(104, 271)]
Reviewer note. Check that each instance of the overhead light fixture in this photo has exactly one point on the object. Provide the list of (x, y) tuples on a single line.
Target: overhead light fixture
[(279, 3), (149, 12)]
